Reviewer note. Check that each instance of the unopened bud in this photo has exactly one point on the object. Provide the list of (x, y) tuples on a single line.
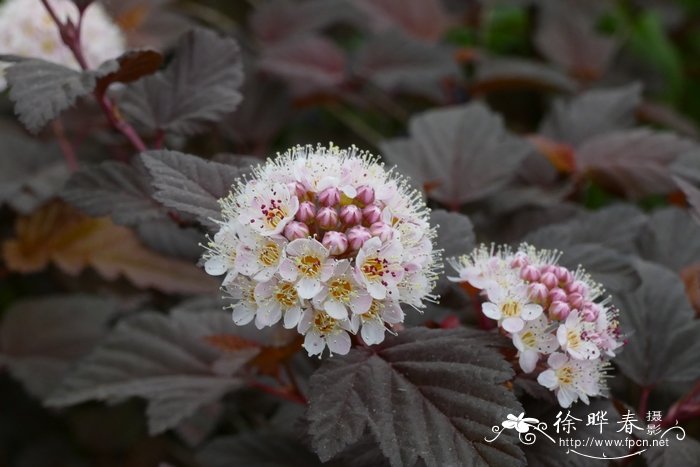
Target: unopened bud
[(365, 195), (335, 242), (357, 236), (381, 230), (530, 273), (350, 215), (327, 218), (306, 212), (557, 295), (294, 230), (559, 310), (372, 213), (549, 279), (329, 197), (538, 292)]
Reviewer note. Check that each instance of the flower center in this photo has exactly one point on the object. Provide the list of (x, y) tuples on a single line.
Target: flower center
[(510, 309), (565, 375), (374, 311), (274, 213), (340, 289), (269, 254), (286, 294), (324, 323), (528, 339), (309, 265), (373, 268), (573, 338)]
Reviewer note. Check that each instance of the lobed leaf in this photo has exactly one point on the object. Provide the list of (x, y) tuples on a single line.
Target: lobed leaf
[(425, 394), (461, 153), (163, 359), (659, 307), (422, 19), (672, 238), (199, 86), (257, 449), (41, 338), (191, 184)]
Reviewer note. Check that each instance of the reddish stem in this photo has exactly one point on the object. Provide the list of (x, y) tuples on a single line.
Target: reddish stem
[(688, 407), (70, 35), (294, 383), (65, 145), (644, 401)]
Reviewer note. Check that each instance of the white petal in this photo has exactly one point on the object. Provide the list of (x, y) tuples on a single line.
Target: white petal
[(308, 288), (288, 270), (557, 360), (392, 313), (339, 342), (230, 277), (268, 314), (242, 314), (372, 332), (528, 360), (292, 317), (376, 290), (514, 324), (566, 397), (216, 266), (531, 311), (548, 379), (307, 317), (361, 302), (491, 310), (335, 309), (314, 343)]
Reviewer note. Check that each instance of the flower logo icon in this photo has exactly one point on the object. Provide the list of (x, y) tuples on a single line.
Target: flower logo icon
[(520, 423)]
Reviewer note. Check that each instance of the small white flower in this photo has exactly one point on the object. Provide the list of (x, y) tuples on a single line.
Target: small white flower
[(276, 298), (342, 292), (511, 307), (321, 330), (268, 207), (380, 312), (572, 336), (308, 265), (485, 268), (221, 257), (242, 290), (534, 340), (571, 379), (379, 267), (259, 257)]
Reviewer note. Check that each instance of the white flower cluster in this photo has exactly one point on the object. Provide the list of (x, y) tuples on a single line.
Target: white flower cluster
[(27, 30), (327, 241), (559, 321)]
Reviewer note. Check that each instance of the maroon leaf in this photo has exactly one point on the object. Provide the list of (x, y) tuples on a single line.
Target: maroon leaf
[(310, 64), (459, 154), (497, 73), (422, 19), (132, 65), (634, 162)]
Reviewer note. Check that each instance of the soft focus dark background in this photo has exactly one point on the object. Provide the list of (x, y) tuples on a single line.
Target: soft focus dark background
[(585, 140)]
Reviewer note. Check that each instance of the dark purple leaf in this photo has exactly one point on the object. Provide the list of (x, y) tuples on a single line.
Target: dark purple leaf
[(426, 394), (190, 184), (459, 154), (198, 87), (592, 113), (422, 19), (31, 172), (507, 73), (567, 36), (114, 189), (166, 237), (634, 162), (259, 449), (671, 238), (41, 338), (659, 307), (310, 64), (164, 359), (396, 62)]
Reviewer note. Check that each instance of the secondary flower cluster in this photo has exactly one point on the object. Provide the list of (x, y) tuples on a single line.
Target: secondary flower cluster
[(559, 320), (27, 30), (326, 241)]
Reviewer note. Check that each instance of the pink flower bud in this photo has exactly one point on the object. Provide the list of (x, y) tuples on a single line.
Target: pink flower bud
[(557, 295), (336, 242), (564, 275), (365, 195), (381, 230), (306, 212), (559, 310), (576, 300), (538, 292), (530, 273), (327, 218), (590, 311), (357, 236), (519, 261), (549, 279), (350, 215), (372, 213), (578, 287), (329, 197), (297, 189), (548, 268), (295, 230)]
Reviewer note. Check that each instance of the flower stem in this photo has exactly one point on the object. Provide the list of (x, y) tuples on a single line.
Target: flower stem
[(294, 382), (70, 35), (288, 394), (644, 401), (65, 145)]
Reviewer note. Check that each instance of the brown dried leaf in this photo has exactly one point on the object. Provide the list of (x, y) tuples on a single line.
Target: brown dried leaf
[(60, 235)]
